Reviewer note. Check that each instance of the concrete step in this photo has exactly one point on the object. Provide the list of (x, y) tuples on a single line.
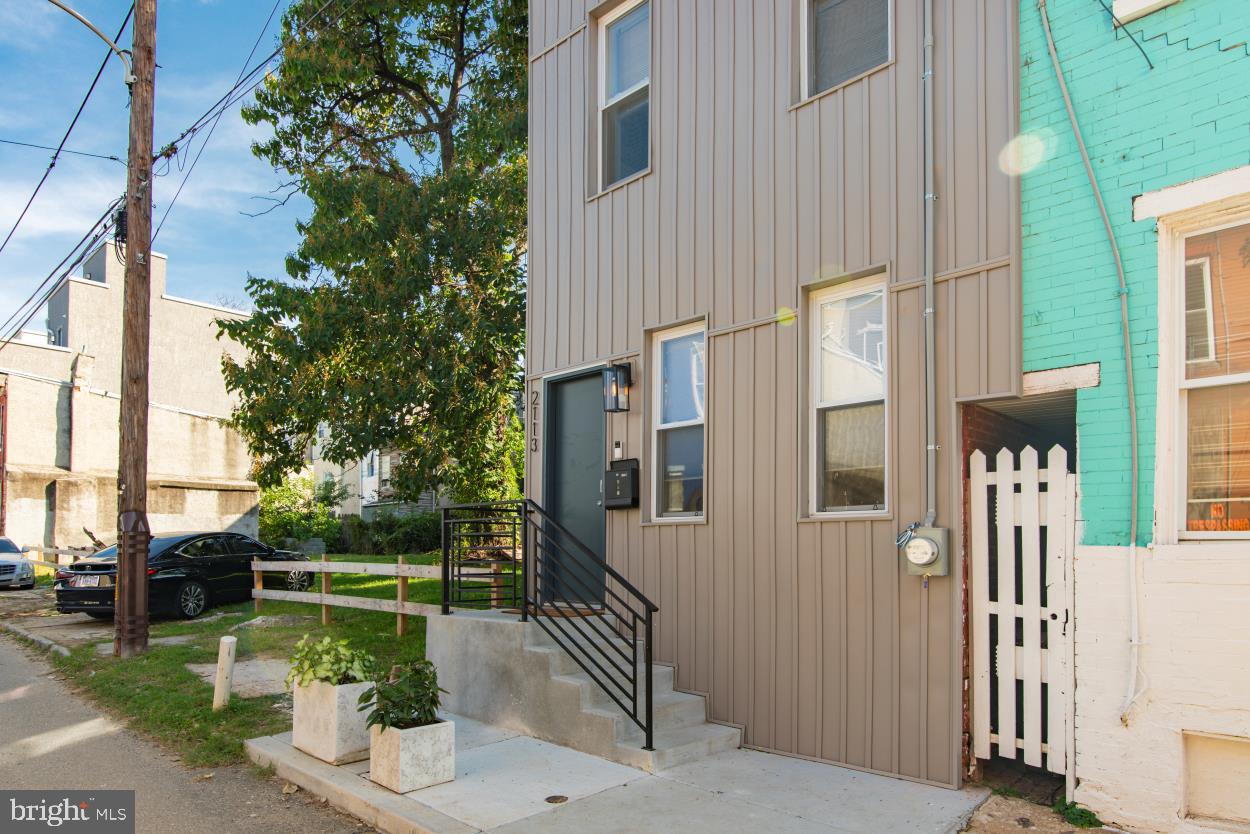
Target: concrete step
[(590, 695), (671, 711), (503, 671), (676, 746), (597, 633), (564, 663)]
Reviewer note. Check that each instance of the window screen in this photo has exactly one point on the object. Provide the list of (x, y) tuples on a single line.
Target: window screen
[(625, 105), (846, 38)]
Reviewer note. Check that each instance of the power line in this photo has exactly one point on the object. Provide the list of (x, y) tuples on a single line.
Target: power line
[(259, 36), (35, 301), (229, 97), (48, 171), (1120, 27), (61, 150)]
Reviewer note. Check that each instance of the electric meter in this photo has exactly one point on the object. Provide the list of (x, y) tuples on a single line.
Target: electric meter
[(921, 552), (927, 551)]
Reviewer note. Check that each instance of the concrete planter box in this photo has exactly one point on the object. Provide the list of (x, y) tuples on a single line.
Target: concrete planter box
[(408, 760), (328, 723)]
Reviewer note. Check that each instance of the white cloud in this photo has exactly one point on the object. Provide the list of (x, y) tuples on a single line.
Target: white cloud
[(28, 25)]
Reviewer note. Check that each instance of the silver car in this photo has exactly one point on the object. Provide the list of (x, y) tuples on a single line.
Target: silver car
[(15, 571)]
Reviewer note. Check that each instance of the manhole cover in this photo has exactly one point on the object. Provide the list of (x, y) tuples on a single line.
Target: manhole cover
[(557, 800)]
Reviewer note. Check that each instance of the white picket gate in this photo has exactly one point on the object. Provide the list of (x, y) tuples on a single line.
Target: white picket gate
[(1023, 537)]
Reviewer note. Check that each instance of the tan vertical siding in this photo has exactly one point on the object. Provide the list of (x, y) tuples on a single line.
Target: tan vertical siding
[(807, 633)]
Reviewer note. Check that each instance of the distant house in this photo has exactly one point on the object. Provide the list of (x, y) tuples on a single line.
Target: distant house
[(60, 400), (368, 483)]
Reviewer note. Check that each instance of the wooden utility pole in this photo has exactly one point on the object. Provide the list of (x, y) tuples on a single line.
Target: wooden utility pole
[(131, 601)]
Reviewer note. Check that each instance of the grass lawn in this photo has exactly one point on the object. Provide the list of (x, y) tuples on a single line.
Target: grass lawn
[(163, 699)]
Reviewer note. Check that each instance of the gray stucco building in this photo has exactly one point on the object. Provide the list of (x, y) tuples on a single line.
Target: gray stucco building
[(60, 405)]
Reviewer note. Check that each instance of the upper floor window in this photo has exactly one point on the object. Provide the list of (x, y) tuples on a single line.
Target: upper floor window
[(848, 397), (1215, 382), (624, 92), (844, 38), (680, 358)]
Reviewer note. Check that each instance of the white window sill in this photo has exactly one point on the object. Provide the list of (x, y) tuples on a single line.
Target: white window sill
[(675, 521), (852, 515), (619, 184), (842, 85), (1129, 10)]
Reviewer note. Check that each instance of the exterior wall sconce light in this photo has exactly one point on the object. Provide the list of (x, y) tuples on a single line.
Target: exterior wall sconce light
[(616, 381)]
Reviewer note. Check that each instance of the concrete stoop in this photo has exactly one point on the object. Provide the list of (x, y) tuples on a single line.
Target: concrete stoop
[(512, 674)]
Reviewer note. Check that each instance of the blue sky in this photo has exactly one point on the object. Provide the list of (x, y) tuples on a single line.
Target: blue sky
[(48, 59)]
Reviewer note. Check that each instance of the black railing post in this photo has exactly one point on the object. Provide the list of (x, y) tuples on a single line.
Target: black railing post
[(646, 653), (525, 561), (446, 561)]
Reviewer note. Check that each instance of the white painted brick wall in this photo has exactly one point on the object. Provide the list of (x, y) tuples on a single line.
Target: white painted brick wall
[(1195, 628)]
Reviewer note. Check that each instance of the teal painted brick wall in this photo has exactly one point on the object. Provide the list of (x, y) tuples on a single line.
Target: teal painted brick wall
[(1145, 129)]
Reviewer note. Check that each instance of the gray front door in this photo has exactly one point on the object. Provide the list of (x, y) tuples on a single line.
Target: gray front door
[(574, 487)]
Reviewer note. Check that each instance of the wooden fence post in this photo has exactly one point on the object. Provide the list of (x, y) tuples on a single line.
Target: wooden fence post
[(224, 682), (325, 589), (401, 595), (258, 582)]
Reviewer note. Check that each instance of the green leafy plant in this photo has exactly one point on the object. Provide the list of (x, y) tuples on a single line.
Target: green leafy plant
[(330, 661), (408, 698), (296, 509), (356, 536), (1076, 815), (401, 534)]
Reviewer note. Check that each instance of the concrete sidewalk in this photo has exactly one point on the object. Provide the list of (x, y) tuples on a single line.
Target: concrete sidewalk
[(511, 783)]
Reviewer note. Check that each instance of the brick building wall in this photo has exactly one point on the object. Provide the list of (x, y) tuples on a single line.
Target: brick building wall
[(1145, 129), (986, 430), (1188, 732)]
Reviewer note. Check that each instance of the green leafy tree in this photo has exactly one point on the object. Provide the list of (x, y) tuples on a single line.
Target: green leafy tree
[(401, 321), (295, 509)]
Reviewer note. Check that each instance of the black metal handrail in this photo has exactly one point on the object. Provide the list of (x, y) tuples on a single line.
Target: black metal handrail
[(513, 555)]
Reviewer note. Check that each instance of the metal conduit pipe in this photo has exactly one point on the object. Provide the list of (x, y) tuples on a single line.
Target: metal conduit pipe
[(1131, 692), (930, 339)]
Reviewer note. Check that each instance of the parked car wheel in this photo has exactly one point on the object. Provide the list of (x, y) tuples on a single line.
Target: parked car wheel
[(298, 580), (29, 587), (192, 599)]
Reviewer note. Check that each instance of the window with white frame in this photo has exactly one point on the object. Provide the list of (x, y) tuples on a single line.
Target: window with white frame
[(1215, 382), (844, 38), (1199, 323), (624, 92), (848, 416), (680, 360)]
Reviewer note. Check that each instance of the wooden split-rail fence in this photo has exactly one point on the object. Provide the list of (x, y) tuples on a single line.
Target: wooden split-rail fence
[(327, 599)]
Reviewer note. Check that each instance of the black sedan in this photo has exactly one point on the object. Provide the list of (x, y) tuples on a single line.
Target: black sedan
[(187, 574)]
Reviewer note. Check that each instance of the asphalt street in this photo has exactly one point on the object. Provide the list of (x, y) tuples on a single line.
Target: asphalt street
[(51, 738)]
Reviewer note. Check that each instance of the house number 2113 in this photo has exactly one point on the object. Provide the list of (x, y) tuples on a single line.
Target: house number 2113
[(533, 421)]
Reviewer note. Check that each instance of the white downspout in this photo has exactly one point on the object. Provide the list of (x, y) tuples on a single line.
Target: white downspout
[(1131, 692)]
